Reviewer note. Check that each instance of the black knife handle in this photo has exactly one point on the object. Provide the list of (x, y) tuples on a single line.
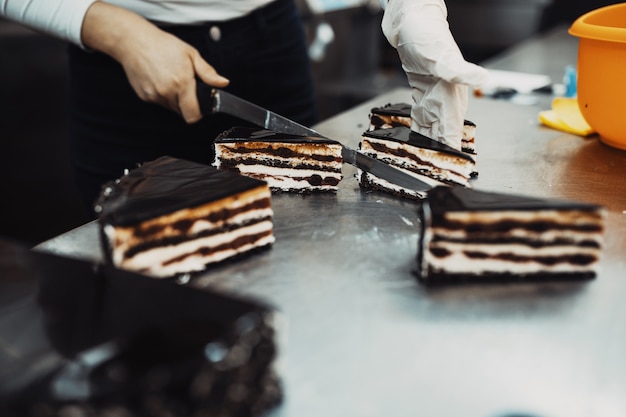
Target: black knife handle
[(206, 97), (214, 100)]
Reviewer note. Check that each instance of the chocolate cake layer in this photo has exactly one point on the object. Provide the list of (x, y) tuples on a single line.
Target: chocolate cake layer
[(285, 162), (476, 235), (171, 217), (86, 339)]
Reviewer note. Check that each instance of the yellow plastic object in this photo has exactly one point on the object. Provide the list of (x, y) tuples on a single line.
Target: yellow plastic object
[(601, 85), (565, 115)]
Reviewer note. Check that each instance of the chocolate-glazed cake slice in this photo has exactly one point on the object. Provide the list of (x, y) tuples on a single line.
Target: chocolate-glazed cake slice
[(85, 340), (171, 217), (390, 115), (285, 162), (431, 161), (399, 114), (470, 235)]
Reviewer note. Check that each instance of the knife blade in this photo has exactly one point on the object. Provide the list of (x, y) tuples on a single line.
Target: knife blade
[(213, 100)]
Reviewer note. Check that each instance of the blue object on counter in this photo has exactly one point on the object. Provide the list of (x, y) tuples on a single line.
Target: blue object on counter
[(569, 79)]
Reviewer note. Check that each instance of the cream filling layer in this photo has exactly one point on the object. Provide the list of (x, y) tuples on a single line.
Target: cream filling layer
[(286, 172), (521, 233), (516, 249), (458, 263), (564, 217), (288, 184), (154, 261), (283, 178)]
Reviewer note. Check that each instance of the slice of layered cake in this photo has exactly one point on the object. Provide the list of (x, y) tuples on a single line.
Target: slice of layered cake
[(470, 235), (399, 114), (285, 162), (171, 217), (80, 339), (390, 115), (431, 161)]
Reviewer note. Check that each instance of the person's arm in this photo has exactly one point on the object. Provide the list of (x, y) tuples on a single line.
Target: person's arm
[(160, 67), (60, 18)]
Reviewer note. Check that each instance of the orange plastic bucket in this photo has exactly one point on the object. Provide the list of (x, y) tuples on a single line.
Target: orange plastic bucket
[(601, 85)]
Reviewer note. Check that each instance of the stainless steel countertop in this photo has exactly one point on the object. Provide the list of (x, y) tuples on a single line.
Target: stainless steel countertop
[(364, 338)]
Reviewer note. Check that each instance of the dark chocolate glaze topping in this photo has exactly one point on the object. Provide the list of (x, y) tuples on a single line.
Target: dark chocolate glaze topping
[(163, 186), (402, 110), (442, 199), (395, 109), (406, 135), (246, 134)]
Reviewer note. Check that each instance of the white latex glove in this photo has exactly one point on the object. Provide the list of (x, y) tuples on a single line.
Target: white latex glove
[(437, 72)]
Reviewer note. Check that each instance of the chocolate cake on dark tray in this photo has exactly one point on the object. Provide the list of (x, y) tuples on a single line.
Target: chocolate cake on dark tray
[(171, 217), (85, 340)]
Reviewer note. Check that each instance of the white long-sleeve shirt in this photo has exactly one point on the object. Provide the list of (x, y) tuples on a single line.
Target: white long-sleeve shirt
[(64, 18)]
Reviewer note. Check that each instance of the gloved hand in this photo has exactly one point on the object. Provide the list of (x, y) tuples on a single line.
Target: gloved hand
[(437, 72)]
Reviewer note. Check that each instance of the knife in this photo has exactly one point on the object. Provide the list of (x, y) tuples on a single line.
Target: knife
[(213, 100)]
